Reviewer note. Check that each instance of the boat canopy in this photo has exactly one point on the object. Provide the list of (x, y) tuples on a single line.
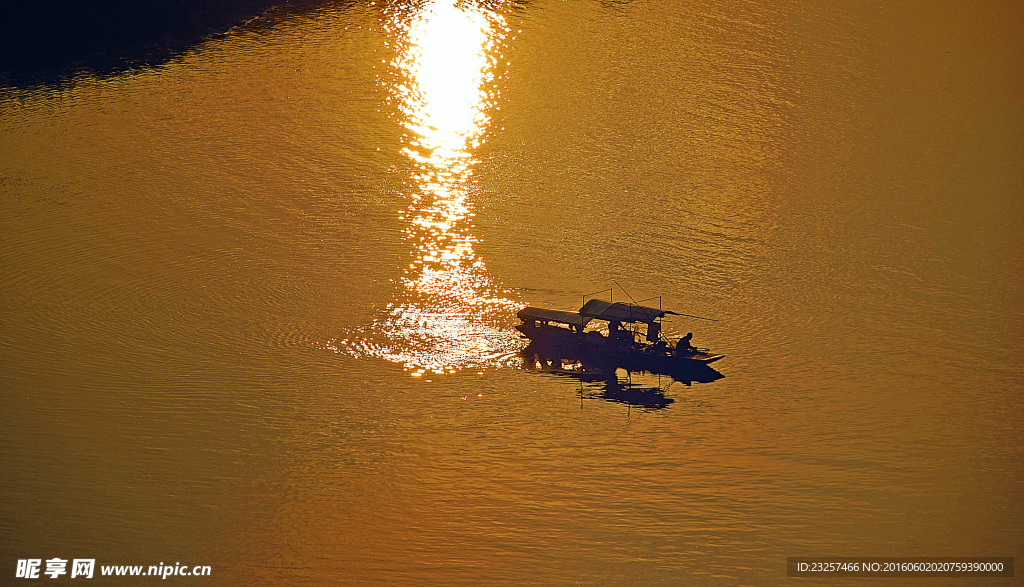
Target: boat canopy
[(545, 315), (610, 311)]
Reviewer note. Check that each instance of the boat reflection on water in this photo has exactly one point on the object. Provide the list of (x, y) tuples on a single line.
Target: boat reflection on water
[(606, 384)]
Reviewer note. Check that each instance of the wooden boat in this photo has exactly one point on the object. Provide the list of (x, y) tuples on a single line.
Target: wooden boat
[(634, 340)]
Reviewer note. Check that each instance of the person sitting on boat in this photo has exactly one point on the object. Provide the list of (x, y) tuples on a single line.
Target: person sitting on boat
[(619, 334), (684, 346)]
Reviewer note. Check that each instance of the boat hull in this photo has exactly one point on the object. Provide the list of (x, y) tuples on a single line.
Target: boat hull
[(553, 343)]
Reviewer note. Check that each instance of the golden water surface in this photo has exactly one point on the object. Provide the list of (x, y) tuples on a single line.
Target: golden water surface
[(257, 302)]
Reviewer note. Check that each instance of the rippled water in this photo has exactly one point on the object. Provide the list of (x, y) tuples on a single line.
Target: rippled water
[(257, 302)]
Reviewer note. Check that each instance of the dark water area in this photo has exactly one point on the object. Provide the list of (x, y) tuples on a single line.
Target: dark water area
[(47, 41), (258, 297)]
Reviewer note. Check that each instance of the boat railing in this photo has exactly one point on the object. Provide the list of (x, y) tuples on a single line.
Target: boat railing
[(641, 302), (594, 295)]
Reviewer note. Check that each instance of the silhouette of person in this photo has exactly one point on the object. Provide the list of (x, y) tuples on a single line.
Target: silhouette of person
[(684, 343), (617, 333)]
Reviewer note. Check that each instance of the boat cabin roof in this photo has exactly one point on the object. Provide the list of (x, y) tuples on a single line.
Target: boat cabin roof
[(570, 318), (610, 311)]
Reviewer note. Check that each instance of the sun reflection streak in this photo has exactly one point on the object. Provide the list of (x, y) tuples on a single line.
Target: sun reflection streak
[(449, 313)]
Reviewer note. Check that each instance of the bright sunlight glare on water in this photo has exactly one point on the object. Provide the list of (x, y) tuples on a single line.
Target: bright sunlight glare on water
[(446, 314)]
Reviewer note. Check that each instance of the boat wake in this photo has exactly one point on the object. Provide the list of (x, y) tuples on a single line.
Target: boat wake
[(432, 342)]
